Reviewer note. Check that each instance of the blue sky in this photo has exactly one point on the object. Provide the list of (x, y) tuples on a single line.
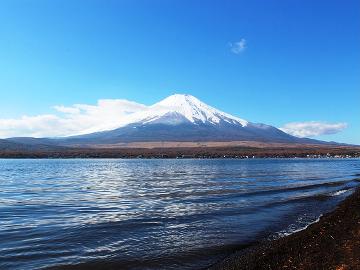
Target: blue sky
[(265, 61)]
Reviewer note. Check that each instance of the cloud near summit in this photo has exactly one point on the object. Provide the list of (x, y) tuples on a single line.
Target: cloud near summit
[(72, 120), (313, 128)]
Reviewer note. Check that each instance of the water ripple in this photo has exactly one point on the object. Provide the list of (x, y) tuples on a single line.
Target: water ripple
[(157, 214)]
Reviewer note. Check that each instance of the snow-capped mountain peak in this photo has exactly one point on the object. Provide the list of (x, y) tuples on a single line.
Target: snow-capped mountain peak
[(183, 118), (185, 107)]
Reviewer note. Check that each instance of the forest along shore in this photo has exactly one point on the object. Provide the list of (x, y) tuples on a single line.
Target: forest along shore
[(283, 151), (331, 243)]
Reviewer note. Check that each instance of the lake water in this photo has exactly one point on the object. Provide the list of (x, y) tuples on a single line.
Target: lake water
[(157, 214)]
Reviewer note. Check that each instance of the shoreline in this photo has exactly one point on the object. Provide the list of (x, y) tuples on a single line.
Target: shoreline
[(320, 157), (331, 243), (189, 158), (184, 150)]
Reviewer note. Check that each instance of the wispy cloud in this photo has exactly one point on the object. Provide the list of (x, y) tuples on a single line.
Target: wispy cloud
[(76, 119), (238, 46), (313, 128)]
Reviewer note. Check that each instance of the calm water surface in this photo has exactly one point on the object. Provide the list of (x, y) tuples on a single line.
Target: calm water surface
[(157, 214)]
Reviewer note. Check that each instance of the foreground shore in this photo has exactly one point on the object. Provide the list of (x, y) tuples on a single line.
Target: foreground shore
[(331, 243)]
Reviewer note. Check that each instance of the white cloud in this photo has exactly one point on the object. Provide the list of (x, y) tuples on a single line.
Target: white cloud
[(70, 110), (313, 128), (77, 119), (238, 47)]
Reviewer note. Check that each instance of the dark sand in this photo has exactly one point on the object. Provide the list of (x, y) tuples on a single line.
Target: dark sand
[(331, 243)]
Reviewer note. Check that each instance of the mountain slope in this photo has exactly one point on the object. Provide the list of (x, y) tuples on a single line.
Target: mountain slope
[(23, 145), (179, 108), (185, 118)]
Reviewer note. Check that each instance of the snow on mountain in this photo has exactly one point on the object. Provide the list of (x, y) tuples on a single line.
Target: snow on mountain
[(185, 118), (181, 118), (179, 108)]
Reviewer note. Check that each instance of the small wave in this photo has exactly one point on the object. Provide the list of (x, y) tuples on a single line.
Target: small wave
[(290, 230), (337, 193), (235, 192)]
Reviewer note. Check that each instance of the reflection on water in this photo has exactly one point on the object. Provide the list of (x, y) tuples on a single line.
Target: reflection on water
[(157, 214)]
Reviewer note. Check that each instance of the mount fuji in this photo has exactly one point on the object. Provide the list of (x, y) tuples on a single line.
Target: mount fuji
[(180, 118), (179, 108)]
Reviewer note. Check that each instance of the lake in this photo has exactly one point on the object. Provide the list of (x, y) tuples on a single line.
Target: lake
[(159, 213)]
